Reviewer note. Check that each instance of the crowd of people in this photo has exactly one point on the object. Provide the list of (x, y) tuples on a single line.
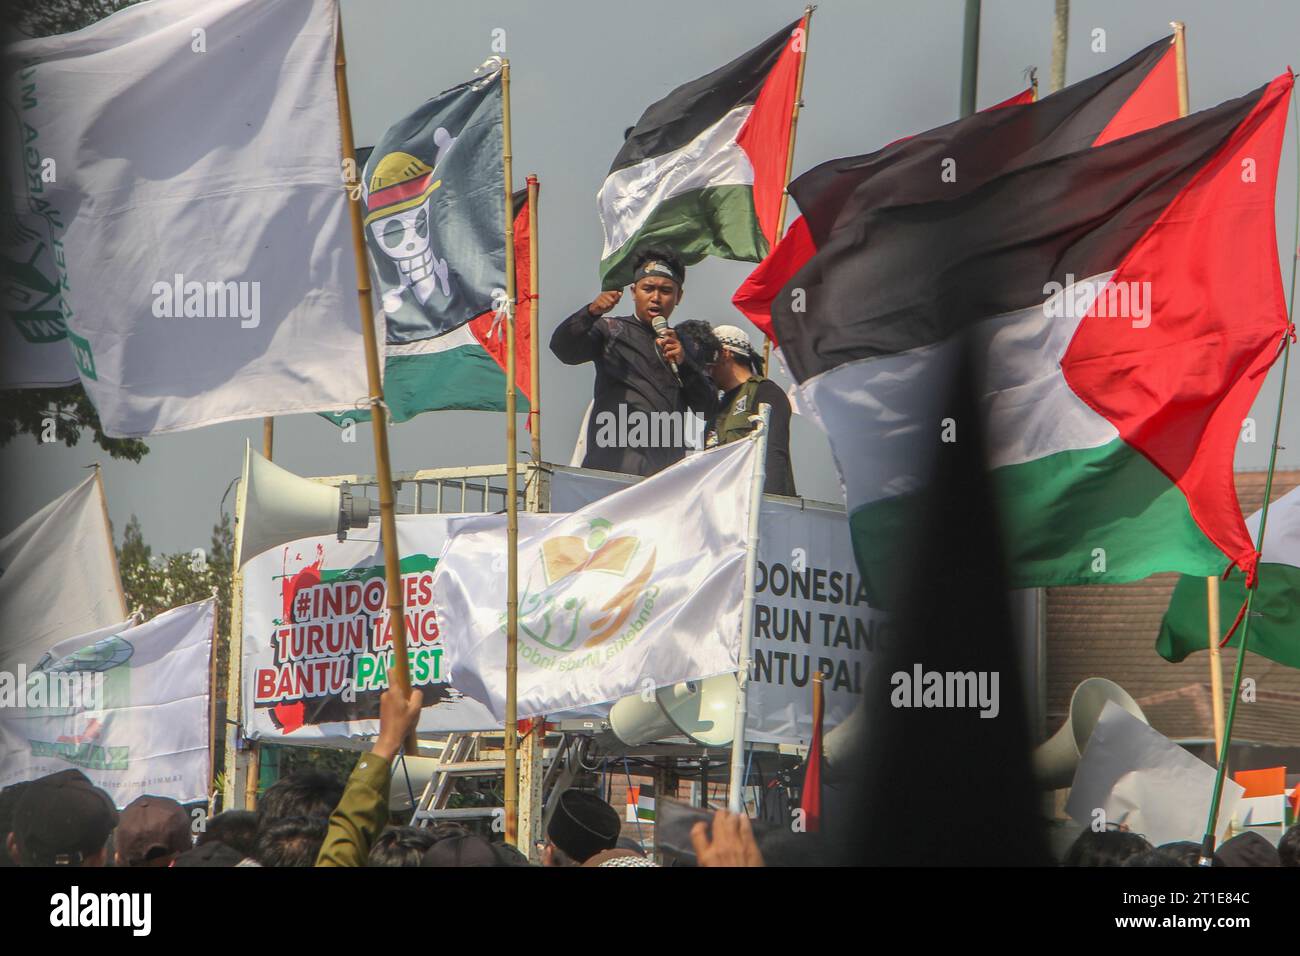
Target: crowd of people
[(314, 818)]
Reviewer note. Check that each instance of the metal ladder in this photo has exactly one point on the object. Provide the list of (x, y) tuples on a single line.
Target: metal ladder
[(459, 759)]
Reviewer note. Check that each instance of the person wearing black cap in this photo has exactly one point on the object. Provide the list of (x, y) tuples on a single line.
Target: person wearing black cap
[(152, 831), (581, 826), (642, 371), (62, 820)]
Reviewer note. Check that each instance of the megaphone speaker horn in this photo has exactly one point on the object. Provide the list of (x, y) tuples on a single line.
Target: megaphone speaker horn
[(702, 710), (1056, 760), (278, 507)]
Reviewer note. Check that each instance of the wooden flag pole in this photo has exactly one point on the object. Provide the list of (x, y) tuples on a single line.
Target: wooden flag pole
[(399, 674), (253, 775), (534, 362), (1216, 658), (512, 498), (1180, 63), (789, 151), (1212, 582)]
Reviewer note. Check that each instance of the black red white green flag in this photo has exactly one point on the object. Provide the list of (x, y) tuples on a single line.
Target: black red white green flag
[(703, 170), (1125, 294), (1144, 90)]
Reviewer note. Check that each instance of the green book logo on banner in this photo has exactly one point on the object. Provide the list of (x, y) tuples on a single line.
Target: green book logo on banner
[(82, 355)]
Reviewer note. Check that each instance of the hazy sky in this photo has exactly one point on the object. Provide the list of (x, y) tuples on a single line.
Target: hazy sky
[(582, 71)]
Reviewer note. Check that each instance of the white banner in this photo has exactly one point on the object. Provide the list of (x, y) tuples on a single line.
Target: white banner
[(58, 576), (317, 643), (185, 155), (128, 709), (644, 585), (809, 610)]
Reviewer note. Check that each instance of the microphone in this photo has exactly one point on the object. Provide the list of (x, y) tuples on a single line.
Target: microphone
[(660, 324)]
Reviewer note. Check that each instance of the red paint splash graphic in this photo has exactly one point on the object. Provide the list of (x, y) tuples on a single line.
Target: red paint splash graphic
[(290, 715)]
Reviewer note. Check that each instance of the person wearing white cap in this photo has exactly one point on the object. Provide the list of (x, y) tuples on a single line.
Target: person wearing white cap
[(738, 371)]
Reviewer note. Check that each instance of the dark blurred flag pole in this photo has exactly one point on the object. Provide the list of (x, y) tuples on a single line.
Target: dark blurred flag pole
[(789, 153), (943, 781), (400, 671), (1211, 825), (970, 57)]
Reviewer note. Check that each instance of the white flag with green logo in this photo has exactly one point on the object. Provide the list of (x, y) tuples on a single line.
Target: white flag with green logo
[(188, 164), (638, 590), (128, 708)]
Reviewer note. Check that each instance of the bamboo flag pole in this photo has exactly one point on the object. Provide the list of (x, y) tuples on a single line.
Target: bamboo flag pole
[(512, 499), (399, 674), (1211, 826), (253, 775), (789, 150), (534, 362), (1212, 620)]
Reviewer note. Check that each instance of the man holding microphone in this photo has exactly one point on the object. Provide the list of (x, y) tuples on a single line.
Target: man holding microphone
[(641, 371)]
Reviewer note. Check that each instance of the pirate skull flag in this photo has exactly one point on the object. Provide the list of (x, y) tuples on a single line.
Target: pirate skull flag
[(435, 212)]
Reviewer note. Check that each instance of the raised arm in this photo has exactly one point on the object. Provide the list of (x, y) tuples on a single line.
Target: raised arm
[(580, 337)]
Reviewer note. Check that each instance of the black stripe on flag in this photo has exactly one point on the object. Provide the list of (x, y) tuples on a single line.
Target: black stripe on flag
[(908, 263), (693, 107)]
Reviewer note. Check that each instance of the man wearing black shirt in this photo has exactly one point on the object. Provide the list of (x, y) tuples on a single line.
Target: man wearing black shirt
[(641, 372), (738, 371)]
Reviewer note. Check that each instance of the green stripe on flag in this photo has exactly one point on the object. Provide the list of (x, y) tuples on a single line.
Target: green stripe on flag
[(465, 378), (1101, 515), (714, 221)]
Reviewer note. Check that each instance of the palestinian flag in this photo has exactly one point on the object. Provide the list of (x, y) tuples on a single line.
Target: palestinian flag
[(1275, 613), (703, 170), (463, 368), (1125, 298), (754, 296), (1142, 93)]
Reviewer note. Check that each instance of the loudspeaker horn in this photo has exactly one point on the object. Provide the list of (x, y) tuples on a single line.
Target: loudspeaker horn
[(1056, 760), (703, 710), (278, 506)]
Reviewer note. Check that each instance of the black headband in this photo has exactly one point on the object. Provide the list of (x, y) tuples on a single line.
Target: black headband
[(653, 267)]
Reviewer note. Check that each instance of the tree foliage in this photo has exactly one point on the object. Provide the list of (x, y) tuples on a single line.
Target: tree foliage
[(157, 584)]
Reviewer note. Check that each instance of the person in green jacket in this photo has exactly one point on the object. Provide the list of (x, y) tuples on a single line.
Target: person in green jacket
[(738, 372), (362, 814)]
